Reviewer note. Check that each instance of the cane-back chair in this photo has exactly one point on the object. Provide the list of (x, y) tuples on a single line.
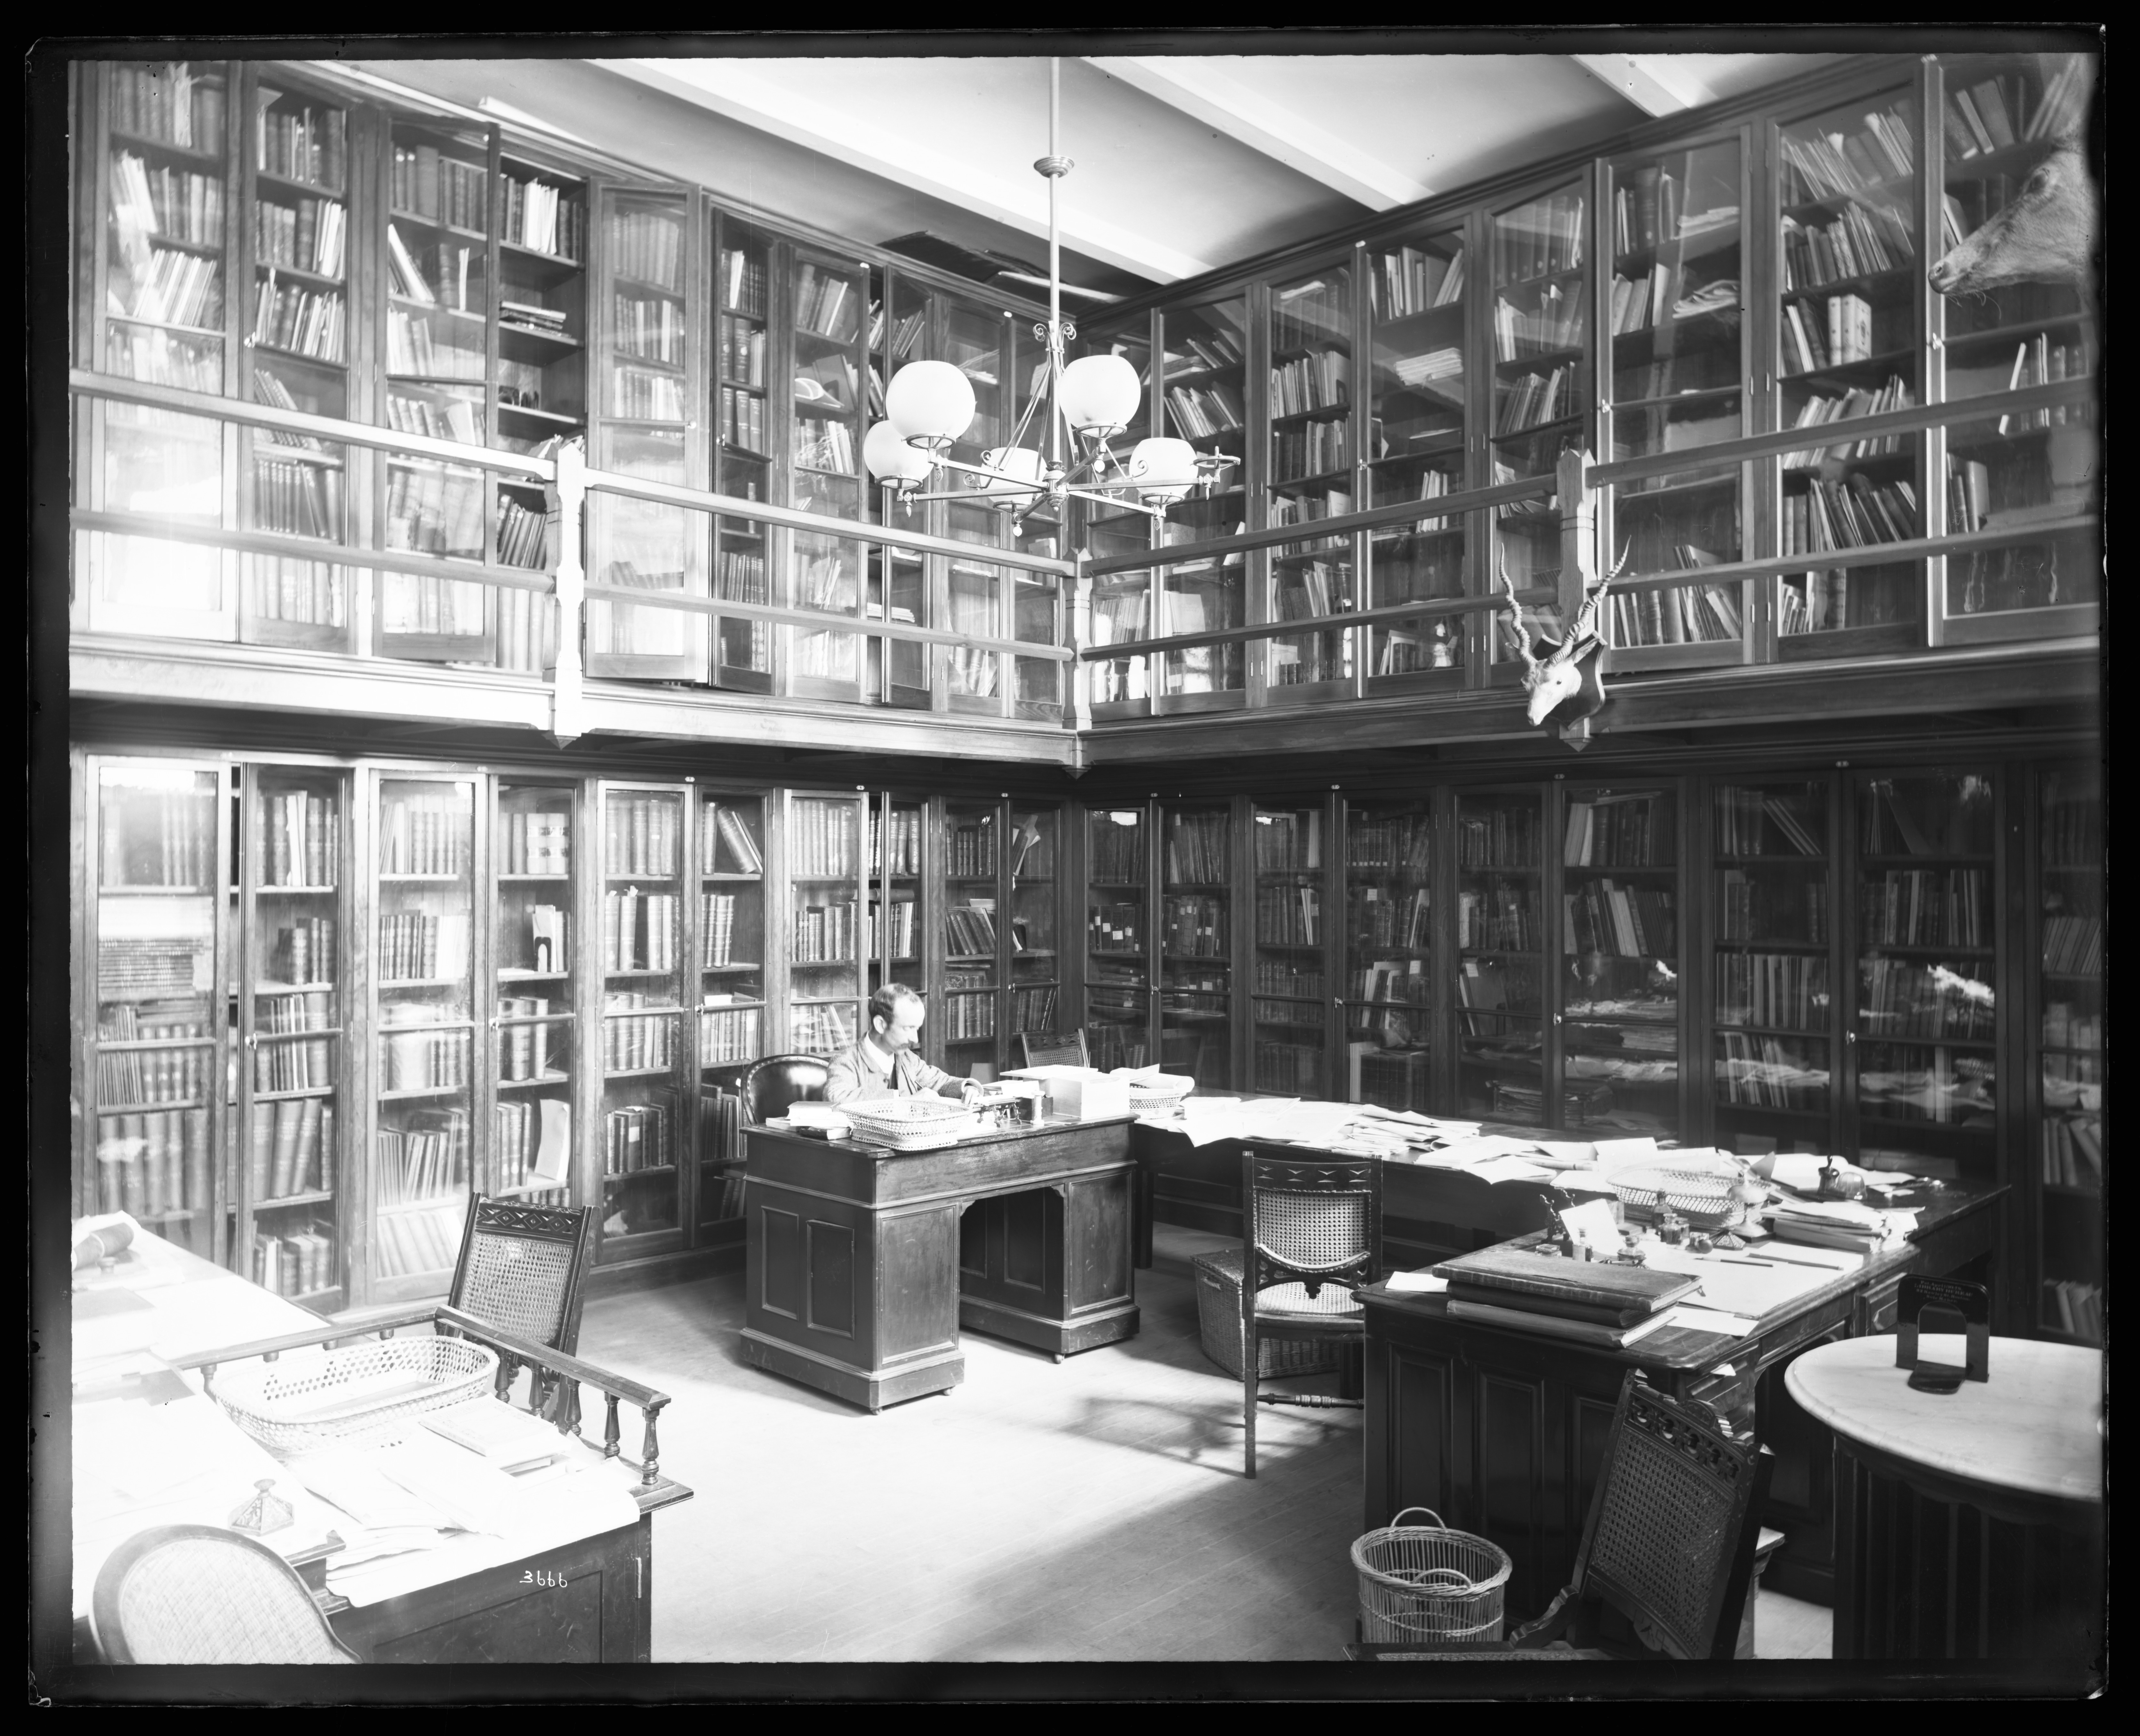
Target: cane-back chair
[(201, 1594)]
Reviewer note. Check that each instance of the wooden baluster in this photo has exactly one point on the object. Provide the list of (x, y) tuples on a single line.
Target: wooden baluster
[(651, 1453), (565, 1407), (609, 1427), (508, 1367), (539, 1389)]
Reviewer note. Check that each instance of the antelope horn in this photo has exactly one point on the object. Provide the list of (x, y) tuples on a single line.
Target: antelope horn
[(1515, 613)]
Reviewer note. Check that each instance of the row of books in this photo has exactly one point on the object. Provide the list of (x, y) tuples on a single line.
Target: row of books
[(424, 834), (1289, 1069), (825, 934), (1996, 112), (1505, 837), (1627, 922), (1288, 915), (640, 836), (527, 632), (301, 842), (1322, 380), (727, 1035), (893, 936), (2073, 945), (291, 498), (1926, 907), (1198, 411), (1617, 832), (717, 913), (414, 348), (1380, 918), (152, 1076), (1811, 340), (1756, 822), (1283, 842), (742, 421), (1646, 209), (973, 847), (426, 182), (640, 1136), (300, 1262), (1287, 977), (970, 1016), (1117, 926), (433, 276), (2072, 1148), (536, 840), (169, 101), (825, 301), (1117, 851), (2075, 1306), (1902, 999), (1863, 241), (2072, 832), (970, 930), (309, 236), (1856, 512), (2064, 1028), (1033, 1009), (822, 844), (638, 395), (521, 532), (1691, 615), (1531, 400), (444, 416), (1413, 280), (162, 203), (424, 1235), (1770, 1072), (284, 588), (641, 930), (1782, 990), (542, 217), (1640, 303), (1315, 312), (149, 1164), (649, 328), (1558, 322), (728, 842), (157, 838), (820, 1029), (163, 358), (1394, 1077), (1197, 849), (169, 289), (633, 1041), (134, 970), (533, 1139), (302, 142), (1540, 239), (1313, 450), (822, 445), (290, 1149), (296, 1066), (1405, 843), (524, 1049), (742, 282), (1819, 165), (426, 1061), (1503, 918)]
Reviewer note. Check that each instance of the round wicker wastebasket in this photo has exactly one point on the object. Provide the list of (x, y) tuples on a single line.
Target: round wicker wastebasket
[(1428, 1582)]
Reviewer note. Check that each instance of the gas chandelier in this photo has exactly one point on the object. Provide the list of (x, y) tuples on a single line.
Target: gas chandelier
[(929, 405)]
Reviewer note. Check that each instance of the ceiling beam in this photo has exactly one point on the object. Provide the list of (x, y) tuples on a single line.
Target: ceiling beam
[(733, 89), (1252, 119), (1653, 88)]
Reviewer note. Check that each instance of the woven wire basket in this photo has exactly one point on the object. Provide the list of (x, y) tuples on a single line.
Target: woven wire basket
[(1159, 1090), (1428, 1582), (1702, 1197), (362, 1392), (909, 1123)]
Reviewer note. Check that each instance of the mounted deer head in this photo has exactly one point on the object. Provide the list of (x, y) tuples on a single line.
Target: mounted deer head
[(2047, 232), (1568, 671)]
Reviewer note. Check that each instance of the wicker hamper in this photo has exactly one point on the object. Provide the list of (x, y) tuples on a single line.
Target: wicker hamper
[(1218, 1317)]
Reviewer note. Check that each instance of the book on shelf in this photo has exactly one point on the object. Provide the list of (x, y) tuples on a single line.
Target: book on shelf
[(303, 143)]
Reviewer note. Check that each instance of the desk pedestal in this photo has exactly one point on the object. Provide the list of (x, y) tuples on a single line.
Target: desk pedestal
[(864, 1264)]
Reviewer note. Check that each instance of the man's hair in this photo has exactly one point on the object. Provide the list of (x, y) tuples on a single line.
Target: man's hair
[(884, 1002)]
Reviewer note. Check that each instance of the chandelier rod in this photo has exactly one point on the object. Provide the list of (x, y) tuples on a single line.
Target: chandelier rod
[(1055, 169)]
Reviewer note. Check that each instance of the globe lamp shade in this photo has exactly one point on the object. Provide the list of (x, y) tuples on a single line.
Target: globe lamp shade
[(931, 404), (1099, 393), (1020, 463), (1164, 469), (892, 461)]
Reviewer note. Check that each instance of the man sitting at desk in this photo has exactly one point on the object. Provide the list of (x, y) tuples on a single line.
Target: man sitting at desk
[(885, 1063)]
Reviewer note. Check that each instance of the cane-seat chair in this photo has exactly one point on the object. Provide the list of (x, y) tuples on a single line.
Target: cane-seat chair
[(1053, 1049), (1312, 1235), (201, 1594), (520, 1269)]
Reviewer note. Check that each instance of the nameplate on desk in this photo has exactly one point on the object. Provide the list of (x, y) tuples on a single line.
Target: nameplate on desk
[(1918, 1294)]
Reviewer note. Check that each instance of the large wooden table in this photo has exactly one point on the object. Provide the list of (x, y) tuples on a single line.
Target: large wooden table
[(575, 1599), (1500, 1431), (862, 1264), (1969, 1523)]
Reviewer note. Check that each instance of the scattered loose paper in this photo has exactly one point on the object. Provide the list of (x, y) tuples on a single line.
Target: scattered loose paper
[(1413, 1283), (1695, 1319)]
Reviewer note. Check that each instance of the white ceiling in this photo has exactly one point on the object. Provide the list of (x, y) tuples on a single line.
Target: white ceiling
[(1183, 163)]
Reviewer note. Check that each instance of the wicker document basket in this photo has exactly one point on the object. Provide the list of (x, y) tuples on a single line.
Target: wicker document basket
[(1219, 1319), (1158, 1091), (1703, 1198), (362, 1392), (1428, 1582), (909, 1123)]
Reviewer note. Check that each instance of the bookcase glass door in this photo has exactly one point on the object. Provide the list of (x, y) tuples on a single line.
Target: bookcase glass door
[(1389, 953), (1926, 1053), (1676, 383), (743, 447), (2002, 117), (644, 430), (643, 1134), (438, 509), (1849, 284), (155, 1072), (1773, 1019), (899, 671), (1292, 1001), (294, 1018), (1501, 940), (732, 983), (535, 959), (824, 923), (1620, 960), (170, 465), (298, 352), (829, 337), (1310, 476), (974, 594), (896, 900), (1035, 891), (1418, 430), (424, 1025), (973, 866), (2067, 1148), (1196, 943), (166, 231), (1121, 604), (1541, 350), (1206, 381), (543, 248), (1117, 937)]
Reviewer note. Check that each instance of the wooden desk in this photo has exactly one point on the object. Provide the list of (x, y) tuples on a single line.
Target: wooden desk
[(1969, 1524), (1500, 1431), (862, 1264), (577, 1599)]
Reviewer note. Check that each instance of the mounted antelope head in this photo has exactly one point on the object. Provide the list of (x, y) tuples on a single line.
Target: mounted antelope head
[(2047, 232), (1568, 671)]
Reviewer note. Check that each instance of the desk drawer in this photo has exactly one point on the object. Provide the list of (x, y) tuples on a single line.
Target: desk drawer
[(1876, 1309)]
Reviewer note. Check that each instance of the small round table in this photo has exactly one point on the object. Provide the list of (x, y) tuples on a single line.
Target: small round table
[(1968, 1525)]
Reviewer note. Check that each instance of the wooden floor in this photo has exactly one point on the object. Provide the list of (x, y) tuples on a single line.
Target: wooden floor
[(1090, 1510)]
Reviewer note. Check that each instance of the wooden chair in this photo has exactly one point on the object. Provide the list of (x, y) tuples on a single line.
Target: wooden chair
[(1669, 1544), (520, 1269), (774, 1083), (201, 1594), (1312, 1235), (1049, 1049)]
